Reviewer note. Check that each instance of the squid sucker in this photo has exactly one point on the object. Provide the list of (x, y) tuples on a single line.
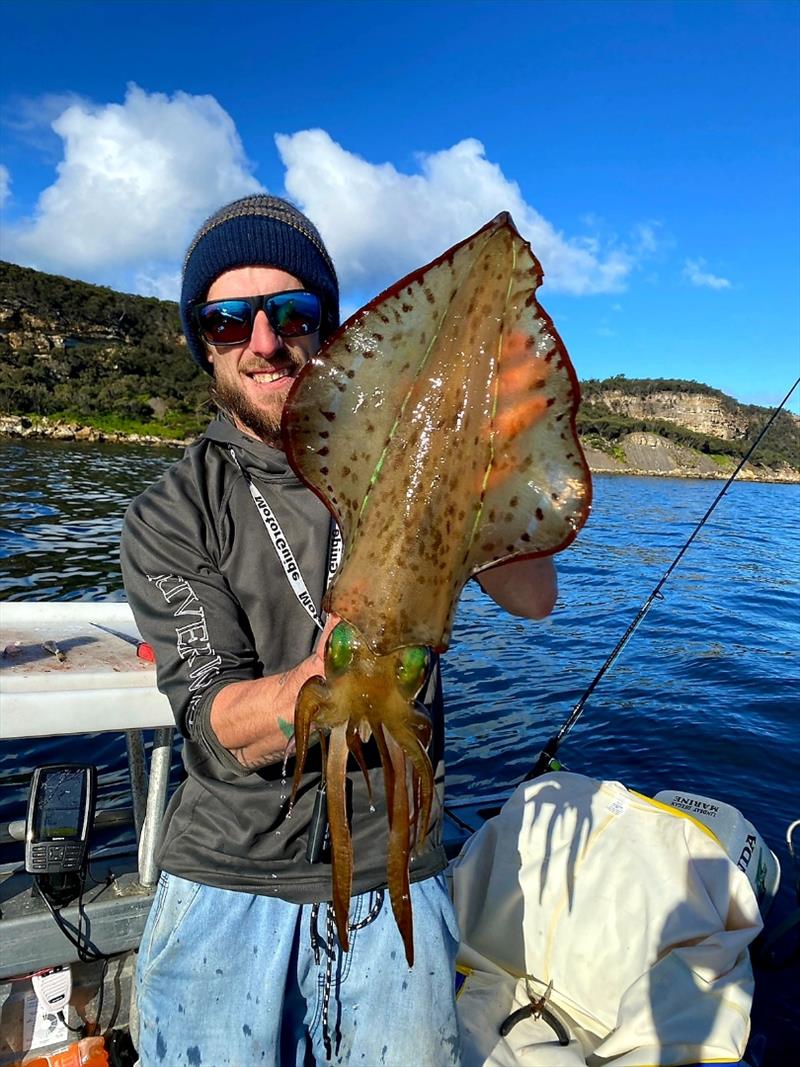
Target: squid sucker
[(438, 426)]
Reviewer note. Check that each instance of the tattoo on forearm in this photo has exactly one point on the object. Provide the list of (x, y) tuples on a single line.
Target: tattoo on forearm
[(286, 728), (255, 763)]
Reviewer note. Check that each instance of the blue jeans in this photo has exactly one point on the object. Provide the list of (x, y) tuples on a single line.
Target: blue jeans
[(226, 979)]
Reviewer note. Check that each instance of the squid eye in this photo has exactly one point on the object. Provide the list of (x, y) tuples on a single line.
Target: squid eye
[(412, 668), (341, 648)]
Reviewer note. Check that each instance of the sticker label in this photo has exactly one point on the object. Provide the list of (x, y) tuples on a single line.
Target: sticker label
[(39, 1028)]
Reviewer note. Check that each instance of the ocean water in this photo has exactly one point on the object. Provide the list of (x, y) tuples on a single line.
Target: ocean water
[(704, 698)]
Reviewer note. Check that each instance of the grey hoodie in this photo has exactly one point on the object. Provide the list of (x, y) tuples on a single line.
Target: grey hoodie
[(210, 595)]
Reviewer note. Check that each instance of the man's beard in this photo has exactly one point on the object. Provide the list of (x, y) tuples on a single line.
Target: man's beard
[(261, 422), (233, 403)]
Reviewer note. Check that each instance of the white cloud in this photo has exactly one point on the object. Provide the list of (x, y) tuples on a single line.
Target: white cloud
[(5, 184), (135, 180), (694, 271), (380, 223), (166, 285), (648, 239)]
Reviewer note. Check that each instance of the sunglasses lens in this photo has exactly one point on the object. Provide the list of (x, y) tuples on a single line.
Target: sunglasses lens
[(294, 314), (225, 322)]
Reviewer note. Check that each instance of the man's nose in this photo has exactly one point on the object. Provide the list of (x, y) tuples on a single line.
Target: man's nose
[(264, 341)]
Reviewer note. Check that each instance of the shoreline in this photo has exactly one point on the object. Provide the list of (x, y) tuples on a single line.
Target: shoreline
[(20, 427)]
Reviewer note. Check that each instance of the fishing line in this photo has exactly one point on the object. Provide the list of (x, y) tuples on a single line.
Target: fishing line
[(547, 754)]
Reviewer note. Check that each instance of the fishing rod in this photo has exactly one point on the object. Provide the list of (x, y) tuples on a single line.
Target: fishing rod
[(546, 760)]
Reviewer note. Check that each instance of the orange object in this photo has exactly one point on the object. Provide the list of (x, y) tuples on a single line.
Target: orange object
[(145, 652), (89, 1052)]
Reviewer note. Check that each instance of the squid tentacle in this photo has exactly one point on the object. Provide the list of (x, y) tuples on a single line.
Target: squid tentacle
[(388, 768), (313, 696), (397, 863), (355, 746), (341, 844), (407, 736)]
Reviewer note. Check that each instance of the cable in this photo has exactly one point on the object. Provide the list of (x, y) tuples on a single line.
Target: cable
[(548, 752), (87, 952), (74, 1029)]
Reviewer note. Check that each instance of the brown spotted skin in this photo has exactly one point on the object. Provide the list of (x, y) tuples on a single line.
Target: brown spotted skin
[(434, 407), (438, 425)]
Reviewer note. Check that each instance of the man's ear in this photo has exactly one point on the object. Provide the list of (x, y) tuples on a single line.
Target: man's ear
[(209, 355)]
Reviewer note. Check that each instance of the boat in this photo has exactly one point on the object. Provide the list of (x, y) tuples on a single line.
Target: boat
[(81, 667), (73, 668)]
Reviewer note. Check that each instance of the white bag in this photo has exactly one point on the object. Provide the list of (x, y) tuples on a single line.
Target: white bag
[(633, 910)]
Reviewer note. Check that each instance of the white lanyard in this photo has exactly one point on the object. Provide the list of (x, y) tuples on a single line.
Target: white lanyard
[(284, 551)]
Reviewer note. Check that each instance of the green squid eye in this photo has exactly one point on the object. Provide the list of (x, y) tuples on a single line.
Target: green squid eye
[(412, 668), (341, 647)]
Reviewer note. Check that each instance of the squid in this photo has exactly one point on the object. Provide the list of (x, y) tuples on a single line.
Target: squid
[(438, 426)]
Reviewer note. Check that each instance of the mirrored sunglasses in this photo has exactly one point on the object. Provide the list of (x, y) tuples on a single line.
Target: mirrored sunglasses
[(294, 313)]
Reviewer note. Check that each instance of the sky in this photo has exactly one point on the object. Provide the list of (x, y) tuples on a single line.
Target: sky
[(650, 152)]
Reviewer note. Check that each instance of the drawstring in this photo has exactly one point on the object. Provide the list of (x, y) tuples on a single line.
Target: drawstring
[(328, 980), (315, 932), (330, 952), (372, 914)]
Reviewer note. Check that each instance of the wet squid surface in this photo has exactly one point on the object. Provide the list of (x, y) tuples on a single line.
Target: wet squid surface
[(438, 426)]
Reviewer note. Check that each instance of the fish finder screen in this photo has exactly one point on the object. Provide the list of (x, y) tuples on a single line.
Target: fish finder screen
[(60, 808)]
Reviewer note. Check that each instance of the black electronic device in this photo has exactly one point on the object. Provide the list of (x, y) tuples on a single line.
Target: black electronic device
[(60, 815)]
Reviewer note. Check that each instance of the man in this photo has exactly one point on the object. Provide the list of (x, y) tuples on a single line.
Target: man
[(239, 962)]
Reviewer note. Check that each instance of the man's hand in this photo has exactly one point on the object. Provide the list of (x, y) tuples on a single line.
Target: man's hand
[(254, 720), (525, 587), (319, 649)]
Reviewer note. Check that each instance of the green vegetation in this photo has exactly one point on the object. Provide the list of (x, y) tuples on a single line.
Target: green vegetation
[(592, 388), (95, 356), (722, 461)]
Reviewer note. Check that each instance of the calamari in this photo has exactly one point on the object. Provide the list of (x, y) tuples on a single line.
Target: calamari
[(438, 426)]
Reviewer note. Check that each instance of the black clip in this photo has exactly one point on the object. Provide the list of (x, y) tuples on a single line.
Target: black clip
[(536, 1010), (318, 827)]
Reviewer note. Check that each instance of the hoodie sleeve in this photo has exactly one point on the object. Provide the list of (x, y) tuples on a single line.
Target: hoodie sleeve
[(184, 608)]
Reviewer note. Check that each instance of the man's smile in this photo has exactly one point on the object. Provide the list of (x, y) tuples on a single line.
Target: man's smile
[(271, 375)]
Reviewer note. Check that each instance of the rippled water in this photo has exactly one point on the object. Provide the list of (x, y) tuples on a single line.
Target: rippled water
[(704, 699)]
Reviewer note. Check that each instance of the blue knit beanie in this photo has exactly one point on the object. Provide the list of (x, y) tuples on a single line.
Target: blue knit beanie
[(262, 231)]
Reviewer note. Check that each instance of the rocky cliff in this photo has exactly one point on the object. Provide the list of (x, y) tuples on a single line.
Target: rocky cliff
[(41, 336), (671, 426), (704, 413)]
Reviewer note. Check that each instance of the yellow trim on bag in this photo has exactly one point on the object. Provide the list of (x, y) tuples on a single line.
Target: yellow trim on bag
[(701, 825), (465, 972)]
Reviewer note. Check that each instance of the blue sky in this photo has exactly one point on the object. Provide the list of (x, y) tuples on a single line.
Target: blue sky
[(650, 151)]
